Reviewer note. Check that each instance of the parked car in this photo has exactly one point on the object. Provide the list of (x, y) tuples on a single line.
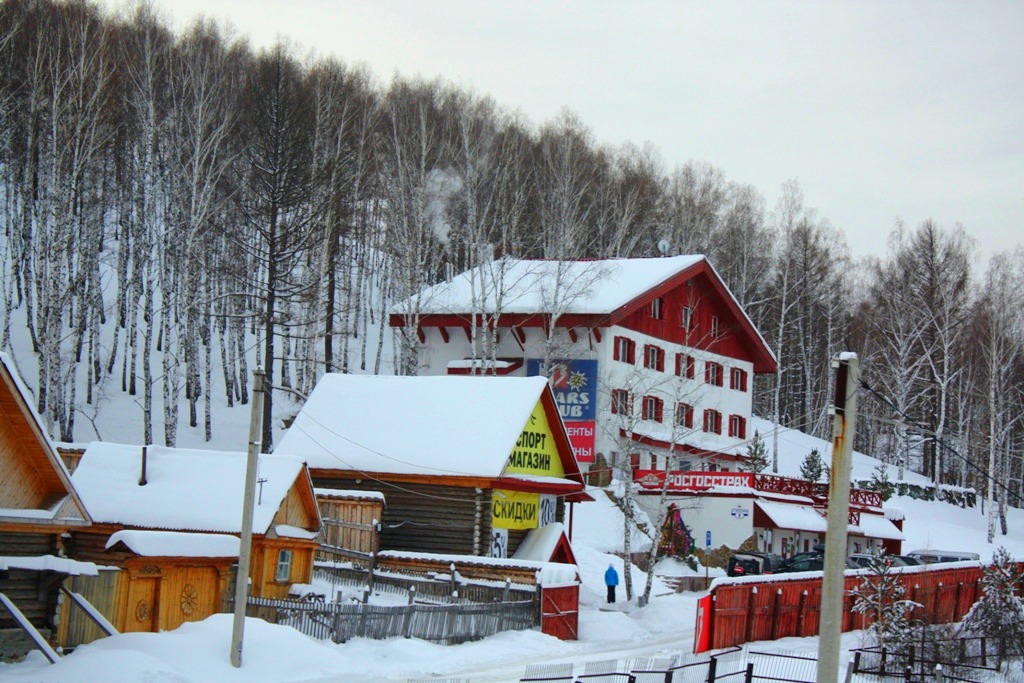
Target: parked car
[(810, 561), (911, 561), (864, 560), (753, 563), (933, 556)]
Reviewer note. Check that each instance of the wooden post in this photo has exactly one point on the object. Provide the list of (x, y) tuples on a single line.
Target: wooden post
[(775, 613), (752, 596), (245, 547), (833, 581), (407, 624)]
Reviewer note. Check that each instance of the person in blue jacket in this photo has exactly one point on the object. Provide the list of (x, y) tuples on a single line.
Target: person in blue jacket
[(611, 579)]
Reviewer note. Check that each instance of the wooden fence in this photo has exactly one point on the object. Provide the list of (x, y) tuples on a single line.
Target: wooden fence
[(743, 610), (448, 624)]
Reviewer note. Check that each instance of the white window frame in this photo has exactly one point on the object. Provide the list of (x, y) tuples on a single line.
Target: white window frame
[(283, 571)]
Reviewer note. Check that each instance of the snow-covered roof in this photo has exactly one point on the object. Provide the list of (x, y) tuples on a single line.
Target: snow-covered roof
[(185, 490), (176, 543), (694, 438), (348, 494), (442, 425), (539, 545), (548, 573), (797, 517), (527, 286), (49, 563), (876, 526)]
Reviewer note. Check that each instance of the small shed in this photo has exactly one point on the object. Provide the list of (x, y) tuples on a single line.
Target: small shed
[(468, 465), (351, 519), (170, 520), (38, 505)]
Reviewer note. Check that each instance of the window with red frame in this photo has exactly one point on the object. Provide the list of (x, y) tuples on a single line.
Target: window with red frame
[(654, 357), (738, 426), (685, 317), (713, 373), (738, 379), (625, 350), (684, 415), (657, 308), (712, 421), (620, 402), (653, 408), (684, 365)]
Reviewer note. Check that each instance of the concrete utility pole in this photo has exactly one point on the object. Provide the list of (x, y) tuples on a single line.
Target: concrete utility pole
[(245, 547), (833, 582)]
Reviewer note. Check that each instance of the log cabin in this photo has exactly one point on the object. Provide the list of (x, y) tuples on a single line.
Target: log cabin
[(38, 506), (468, 465), (168, 522)]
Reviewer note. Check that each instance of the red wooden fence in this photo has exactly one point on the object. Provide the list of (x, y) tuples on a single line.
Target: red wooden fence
[(741, 610)]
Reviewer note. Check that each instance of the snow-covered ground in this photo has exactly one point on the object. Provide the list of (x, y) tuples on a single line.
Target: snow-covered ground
[(199, 653)]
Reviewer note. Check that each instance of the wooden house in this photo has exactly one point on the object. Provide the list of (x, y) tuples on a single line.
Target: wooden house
[(38, 505), (468, 465), (169, 521)]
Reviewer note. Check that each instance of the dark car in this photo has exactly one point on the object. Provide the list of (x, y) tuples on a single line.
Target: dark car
[(809, 562), (752, 563)]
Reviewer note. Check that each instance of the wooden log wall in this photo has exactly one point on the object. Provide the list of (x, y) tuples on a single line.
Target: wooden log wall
[(429, 518), (749, 610), (35, 593)]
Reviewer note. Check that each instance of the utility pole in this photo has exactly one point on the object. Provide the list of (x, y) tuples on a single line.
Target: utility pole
[(245, 547), (833, 581)]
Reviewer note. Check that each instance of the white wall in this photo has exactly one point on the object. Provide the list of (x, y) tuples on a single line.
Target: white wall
[(709, 513)]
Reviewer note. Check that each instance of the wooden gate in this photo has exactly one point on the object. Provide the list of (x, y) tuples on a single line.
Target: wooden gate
[(560, 611)]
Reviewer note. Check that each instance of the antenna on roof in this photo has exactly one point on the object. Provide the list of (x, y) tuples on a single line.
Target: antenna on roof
[(663, 246)]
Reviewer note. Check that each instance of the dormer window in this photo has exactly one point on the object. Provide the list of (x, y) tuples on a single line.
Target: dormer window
[(657, 307), (685, 317)]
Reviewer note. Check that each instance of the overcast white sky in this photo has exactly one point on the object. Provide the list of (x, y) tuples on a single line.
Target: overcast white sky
[(881, 110)]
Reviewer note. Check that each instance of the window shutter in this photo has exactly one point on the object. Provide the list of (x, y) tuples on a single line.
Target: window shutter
[(615, 349)]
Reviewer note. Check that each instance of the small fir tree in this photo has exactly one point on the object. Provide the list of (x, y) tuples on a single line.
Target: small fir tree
[(757, 456), (881, 598), (813, 466), (999, 613), (880, 481)]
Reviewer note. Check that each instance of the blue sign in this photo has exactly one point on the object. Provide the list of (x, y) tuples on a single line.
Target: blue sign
[(574, 384), (708, 541)]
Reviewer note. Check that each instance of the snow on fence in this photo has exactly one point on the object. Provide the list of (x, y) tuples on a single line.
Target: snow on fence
[(448, 624), (737, 611)]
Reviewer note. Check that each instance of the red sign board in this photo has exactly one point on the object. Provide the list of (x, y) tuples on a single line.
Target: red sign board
[(581, 436), (692, 481)]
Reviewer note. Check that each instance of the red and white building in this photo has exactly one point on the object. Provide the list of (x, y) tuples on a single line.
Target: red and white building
[(654, 357)]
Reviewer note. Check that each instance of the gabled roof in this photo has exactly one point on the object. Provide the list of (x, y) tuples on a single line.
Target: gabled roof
[(185, 490), (524, 286), (440, 426), (37, 488), (597, 293)]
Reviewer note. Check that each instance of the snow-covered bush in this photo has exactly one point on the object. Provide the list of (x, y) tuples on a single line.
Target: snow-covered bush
[(880, 597)]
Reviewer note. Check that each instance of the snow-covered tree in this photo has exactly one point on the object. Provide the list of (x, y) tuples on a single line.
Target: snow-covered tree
[(880, 597), (757, 455), (812, 466), (999, 613)]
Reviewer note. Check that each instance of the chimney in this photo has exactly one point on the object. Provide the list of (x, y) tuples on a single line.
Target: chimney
[(142, 477)]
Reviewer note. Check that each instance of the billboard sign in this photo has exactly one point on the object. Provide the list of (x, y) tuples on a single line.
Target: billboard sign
[(581, 436), (574, 384)]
